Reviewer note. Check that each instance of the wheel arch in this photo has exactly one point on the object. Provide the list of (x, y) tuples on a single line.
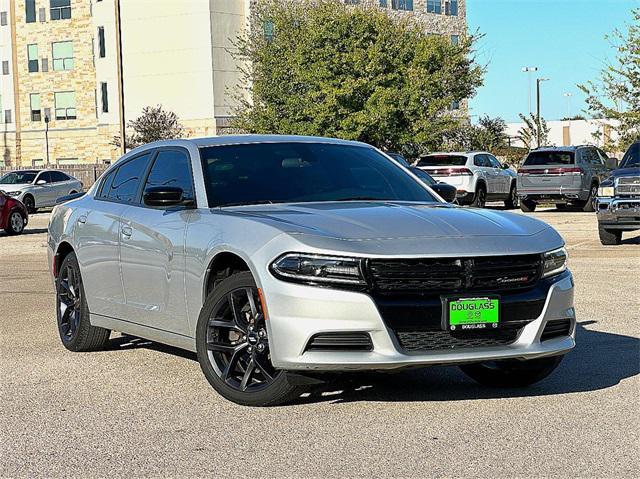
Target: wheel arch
[(62, 251), (221, 266)]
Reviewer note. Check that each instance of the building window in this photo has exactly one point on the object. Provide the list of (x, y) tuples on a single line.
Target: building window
[(104, 94), (269, 30), (30, 10), (455, 105), (36, 112), (455, 39), (65, 105), (5, 67), (101, 44), (32, 53), (402, 4), (3, 19), (451, 7), (60, 9), (42, 15), (383, 3), (352, 2), (434, 6), (7, 116), (62, 55)]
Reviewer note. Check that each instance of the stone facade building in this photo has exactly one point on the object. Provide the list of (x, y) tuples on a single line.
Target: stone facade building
[(67, 61)]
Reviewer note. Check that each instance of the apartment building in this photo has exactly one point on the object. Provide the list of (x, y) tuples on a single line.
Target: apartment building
[(66, 65)]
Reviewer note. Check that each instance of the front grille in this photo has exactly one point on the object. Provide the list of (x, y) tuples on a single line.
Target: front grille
[(629, 185), (454, 275), (413, 341), (355, 341), (556, 328)]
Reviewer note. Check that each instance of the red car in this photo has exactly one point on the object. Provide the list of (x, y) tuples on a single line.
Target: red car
[(13, 215)]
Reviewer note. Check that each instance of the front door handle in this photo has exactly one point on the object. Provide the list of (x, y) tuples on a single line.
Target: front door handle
[(127, 231)]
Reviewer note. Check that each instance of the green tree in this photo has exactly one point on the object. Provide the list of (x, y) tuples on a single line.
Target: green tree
[(153, 124), (528, 133), (616, 94), (488, 135), (317, 67)]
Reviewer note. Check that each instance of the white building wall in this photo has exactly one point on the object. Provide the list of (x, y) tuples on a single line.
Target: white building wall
[(581, 132), (107, 67)]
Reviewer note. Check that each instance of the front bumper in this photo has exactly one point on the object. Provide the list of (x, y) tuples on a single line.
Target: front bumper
[(298, 312), (618, 212)]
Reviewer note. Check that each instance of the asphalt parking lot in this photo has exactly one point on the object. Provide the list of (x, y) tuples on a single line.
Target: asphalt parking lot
[(140, 409)]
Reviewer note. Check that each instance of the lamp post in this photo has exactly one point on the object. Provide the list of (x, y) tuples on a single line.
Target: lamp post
[(568, 96), (46, 136), (538, 122), (529, 71)]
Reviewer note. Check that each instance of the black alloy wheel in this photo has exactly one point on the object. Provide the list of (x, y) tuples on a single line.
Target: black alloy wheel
[(480, 199), (30, 204), (512, 201)]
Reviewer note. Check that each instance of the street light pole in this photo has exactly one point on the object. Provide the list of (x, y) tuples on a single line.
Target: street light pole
[(528, 71), (538, 120), (568, 96), (46, 137)]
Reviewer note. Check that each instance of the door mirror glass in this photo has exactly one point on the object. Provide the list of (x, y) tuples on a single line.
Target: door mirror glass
[(163, 196)]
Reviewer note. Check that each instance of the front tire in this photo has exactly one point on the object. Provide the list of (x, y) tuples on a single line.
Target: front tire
[(480, 198), (16, 223), (30, 203), (527, 206), (233, 346), (511, 373), (609, 237), (75, 329)]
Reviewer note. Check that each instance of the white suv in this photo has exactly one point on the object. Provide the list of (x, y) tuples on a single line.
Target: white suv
[(478, 176)]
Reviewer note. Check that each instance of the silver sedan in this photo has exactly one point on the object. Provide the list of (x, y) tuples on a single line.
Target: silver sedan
[(281, 259), (39, 188)]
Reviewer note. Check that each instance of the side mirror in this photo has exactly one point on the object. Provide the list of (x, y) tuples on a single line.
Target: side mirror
[(445, 190), (505, 166), (612, 163), (41, 182), (163, 196)]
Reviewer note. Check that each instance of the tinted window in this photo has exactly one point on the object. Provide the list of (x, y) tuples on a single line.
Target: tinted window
[(126, 183), (44, 176), (443, 160), (424, 176), (18, 178), (632, 158), (549, 158), (172, 168), (304, 172), (481, 160), (57, 176), (105, 186), (590, 156), (494, 162)]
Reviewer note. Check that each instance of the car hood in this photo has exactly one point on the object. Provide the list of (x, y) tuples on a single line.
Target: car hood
[(625, 172), (406, 228), (8, 188)]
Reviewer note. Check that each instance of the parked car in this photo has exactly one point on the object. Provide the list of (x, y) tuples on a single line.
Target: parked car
[(280, 258), (568, 175), (446, 191), (618, 201), (39, 188), (13, 215), (400, 159), (478, 176)]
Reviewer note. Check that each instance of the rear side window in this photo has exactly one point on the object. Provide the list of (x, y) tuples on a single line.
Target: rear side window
[(106, 184), (172, 168), (443, 160), (536, 158), (57, 176), (126, 182)]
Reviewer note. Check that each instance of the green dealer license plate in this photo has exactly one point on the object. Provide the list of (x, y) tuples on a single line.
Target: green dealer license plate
[(471, 313)]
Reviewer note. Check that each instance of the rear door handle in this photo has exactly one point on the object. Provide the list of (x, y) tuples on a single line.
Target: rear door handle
[(82, 219), (127, 231)]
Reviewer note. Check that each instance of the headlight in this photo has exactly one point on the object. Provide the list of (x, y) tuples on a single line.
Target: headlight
[(606, 191), (314, 269), (14, 193), (554, 262)]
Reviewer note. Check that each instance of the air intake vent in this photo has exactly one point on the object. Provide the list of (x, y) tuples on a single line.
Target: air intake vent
[(556, 328), (357, 341), (414, 341)]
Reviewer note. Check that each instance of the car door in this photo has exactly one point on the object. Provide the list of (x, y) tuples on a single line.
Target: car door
[(97, 236), (152, 248), (481, 161), (503, 178), (59, 184), (44, 190)]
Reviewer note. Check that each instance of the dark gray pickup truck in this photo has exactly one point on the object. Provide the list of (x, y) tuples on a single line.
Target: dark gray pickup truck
[(618, 201)]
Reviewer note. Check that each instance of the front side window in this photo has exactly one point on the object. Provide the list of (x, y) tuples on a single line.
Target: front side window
[(60, 9), (171, 168), (65, 105), (304, 172), (36, 111), (402, 4), (30, 11), (126, 182), (62, 55), (434, 6), (32, 54), (43, 178)]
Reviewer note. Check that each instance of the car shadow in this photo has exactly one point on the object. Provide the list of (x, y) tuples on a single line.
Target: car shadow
[(33, 231), (599, 361)]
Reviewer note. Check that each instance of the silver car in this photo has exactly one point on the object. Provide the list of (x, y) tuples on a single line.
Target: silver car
[(478, 176), (39, 188), (278, 259)]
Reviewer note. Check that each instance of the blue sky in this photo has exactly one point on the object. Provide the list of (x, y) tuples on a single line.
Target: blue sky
[(565, 39)]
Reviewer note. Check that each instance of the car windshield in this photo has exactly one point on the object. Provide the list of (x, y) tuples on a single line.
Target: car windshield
[(537, 158), (442, 160), (424, 176), (632, 157), (290, 172), (18, 178)]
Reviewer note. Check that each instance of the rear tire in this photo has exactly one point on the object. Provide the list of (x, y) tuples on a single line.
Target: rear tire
[(75, 329), (609, 237), (480, 198), (527, 206), (512, 201), (511, 373), (16, 222), (233, 347)]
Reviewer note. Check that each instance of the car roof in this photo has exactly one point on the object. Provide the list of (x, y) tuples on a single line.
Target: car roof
[(562, 148), (456, 153)]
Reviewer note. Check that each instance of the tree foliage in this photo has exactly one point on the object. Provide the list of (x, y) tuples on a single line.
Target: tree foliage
[(318, 67), (488, 135), (528, 133), (616, 94), (153, 124)]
